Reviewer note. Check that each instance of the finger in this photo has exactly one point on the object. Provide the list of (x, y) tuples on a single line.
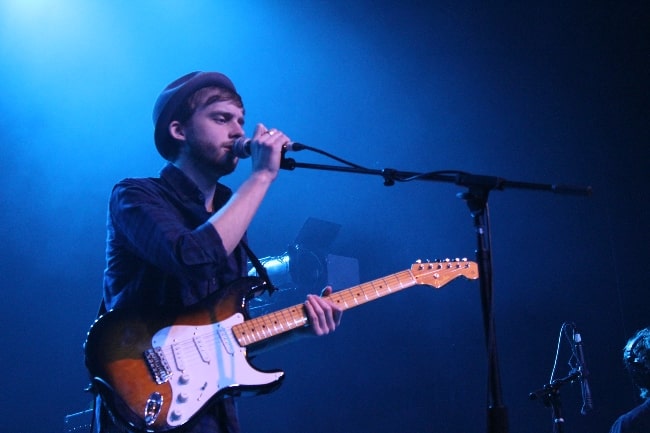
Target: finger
[(313, 316), (337, 312), (323, 314), (278, 138), (259, 130), (331, 314)]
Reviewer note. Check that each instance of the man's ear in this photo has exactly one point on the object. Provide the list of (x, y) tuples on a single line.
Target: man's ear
[(176, 130)]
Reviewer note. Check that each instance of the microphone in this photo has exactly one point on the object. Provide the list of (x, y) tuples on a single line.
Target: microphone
[(241, 148), (584, 375)]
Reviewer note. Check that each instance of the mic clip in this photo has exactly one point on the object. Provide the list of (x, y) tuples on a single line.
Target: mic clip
[(287, 163), (551, 390)]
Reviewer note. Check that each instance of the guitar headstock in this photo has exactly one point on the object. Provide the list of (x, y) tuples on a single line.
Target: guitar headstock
[(439, 273)]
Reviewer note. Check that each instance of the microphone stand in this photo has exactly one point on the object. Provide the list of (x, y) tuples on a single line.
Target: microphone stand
[(479, 187), (550, 396)]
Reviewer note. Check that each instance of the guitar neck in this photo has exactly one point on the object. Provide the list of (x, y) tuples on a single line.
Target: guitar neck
[(281, 321)]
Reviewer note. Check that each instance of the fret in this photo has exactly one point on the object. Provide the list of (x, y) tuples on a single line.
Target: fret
[(435, 274)]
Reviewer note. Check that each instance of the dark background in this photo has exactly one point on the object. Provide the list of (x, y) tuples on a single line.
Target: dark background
[(548, 92)]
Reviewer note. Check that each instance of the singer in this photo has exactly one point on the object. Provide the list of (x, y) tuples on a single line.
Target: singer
[(636, 358), (175, 239)]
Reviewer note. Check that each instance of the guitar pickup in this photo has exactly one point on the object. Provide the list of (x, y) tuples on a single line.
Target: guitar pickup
[(200, 347), (225, 340)]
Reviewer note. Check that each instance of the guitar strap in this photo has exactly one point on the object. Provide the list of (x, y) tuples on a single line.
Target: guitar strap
[(261, 270)]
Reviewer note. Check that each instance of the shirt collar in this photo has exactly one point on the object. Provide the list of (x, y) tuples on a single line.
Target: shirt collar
[(188, 190)]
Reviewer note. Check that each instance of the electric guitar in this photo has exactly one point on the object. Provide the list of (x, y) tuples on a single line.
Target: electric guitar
[(157, 370)]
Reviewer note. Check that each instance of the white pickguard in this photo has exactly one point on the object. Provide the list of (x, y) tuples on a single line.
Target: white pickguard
[(203, 361)]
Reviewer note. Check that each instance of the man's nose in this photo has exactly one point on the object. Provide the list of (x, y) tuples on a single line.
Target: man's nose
[(238, 130)]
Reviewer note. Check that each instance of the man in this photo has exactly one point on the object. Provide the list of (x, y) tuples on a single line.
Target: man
[(176, 239), (636, 357)]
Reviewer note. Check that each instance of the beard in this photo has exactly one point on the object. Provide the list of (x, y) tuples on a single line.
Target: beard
[(211, 158)]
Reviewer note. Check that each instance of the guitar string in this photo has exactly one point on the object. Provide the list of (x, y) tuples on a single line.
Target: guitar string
[(269, 325)]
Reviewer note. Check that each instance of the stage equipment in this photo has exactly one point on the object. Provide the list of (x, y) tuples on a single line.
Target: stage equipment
[(549, 394), (305, 267), (476, 197)]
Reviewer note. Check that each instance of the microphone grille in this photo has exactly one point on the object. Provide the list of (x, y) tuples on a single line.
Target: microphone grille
[(241, 147)]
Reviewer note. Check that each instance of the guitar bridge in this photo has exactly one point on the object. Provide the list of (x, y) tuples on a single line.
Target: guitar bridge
[(158, 365)]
